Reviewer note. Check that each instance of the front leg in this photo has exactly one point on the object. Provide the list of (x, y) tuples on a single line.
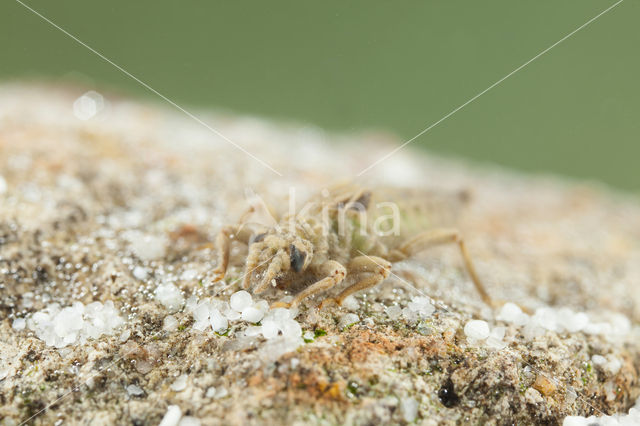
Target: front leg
[(252, 263), (369, 271), (223, 244), (335, 274), (278, 264)]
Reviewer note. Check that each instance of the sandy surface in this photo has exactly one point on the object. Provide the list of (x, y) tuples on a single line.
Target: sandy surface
[(77, 197)]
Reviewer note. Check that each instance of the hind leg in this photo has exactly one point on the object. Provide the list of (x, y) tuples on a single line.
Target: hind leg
[(438, 237)]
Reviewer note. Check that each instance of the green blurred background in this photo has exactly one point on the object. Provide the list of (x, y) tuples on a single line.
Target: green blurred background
[(394, 66)]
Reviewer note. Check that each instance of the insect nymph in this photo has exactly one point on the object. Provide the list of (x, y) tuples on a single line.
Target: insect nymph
[(326, 244)]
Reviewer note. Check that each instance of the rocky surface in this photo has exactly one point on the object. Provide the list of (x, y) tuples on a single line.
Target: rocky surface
[(105, 200)]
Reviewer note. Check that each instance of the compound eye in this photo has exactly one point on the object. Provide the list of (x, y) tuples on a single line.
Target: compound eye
[(257, 238), (297, 258), (363, 201)]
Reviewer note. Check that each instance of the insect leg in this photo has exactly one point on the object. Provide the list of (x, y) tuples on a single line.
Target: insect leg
[(277, 265), (253, 261), (369, 272), (438, 237), (223, 245), (335, 275)]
